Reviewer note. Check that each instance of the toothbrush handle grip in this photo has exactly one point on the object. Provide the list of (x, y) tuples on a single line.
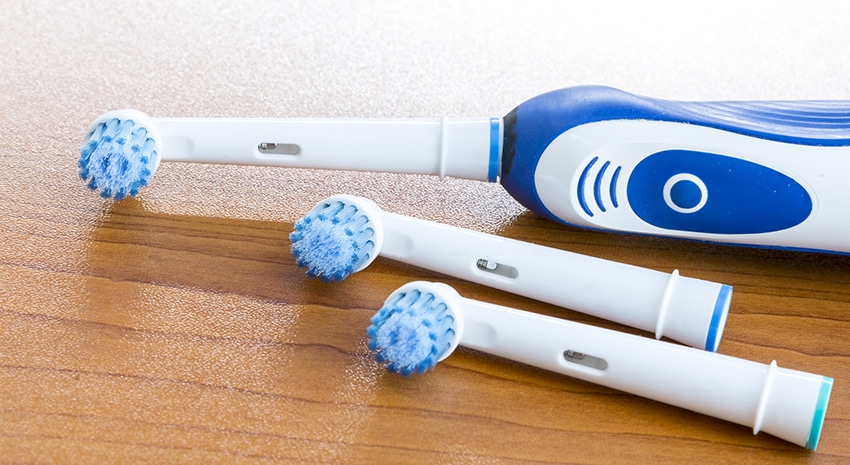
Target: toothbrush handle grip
[(755, 173), (785, 403), (688, 310), (812, 122)]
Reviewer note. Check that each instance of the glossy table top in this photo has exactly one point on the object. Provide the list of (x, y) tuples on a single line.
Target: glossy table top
[(174, 327)]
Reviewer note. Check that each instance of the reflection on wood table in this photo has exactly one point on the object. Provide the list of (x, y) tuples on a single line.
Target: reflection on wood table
[(174, 327), (169, 338)]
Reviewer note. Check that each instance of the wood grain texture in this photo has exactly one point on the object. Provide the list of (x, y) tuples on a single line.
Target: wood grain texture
[(175, 327), (197, 340)]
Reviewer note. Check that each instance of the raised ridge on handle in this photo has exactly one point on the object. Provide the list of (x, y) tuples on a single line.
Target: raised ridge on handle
[(811, 122)]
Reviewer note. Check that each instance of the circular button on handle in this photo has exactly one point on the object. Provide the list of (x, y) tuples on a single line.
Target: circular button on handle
[(670, 190), (685, 193)]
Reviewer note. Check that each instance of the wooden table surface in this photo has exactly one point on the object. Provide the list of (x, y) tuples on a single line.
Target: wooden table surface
[(175, 328)]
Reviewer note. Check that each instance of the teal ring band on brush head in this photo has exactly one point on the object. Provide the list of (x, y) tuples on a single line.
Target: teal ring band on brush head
[(421, 323)]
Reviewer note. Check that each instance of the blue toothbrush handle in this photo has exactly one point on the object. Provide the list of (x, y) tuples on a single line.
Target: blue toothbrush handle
[(754, 173)]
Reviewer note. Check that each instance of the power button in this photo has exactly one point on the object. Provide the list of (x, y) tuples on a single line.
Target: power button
[(711, 193), (685, 193)]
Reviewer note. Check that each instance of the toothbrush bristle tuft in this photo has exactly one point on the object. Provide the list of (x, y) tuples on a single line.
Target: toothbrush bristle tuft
[(332, 241), (117, 158), (412, 332)]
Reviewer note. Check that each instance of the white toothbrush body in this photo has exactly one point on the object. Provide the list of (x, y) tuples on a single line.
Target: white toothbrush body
[(786, 403), (688, 310), (442, 147)]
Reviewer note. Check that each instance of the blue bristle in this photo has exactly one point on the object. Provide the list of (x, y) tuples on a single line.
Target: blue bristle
[(411, 332), (332, 241), (117, 158)]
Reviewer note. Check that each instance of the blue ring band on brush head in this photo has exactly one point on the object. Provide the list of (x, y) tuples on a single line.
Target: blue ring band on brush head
[(343, 234)]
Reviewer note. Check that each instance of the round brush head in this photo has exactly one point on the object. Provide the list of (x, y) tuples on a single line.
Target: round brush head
[(339, 236), (416, 328), (120, 154)]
